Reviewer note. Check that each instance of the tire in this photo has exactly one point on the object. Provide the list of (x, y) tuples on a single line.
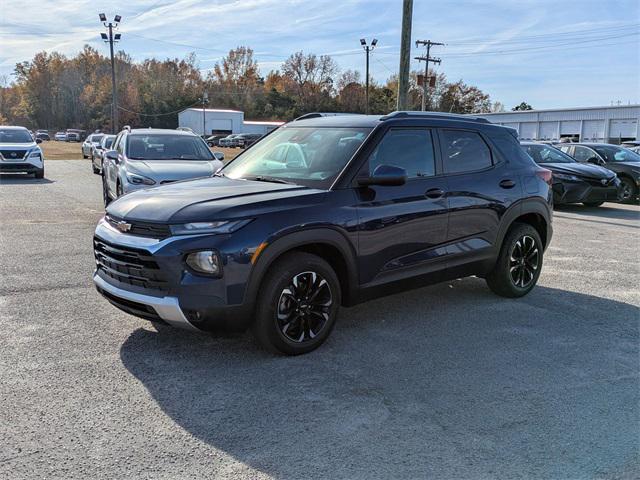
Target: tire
[(105, 195), (119, 191), (592, 204), (286, 321), (39, 173), (93, 167), (519, 264), (84, 156), (629, 190)]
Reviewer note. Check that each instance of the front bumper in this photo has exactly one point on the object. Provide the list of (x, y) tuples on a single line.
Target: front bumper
[(582, 191), (171, 292), (28, 165)]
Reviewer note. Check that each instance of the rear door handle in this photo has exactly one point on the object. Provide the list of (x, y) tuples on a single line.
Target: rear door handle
[(507, 184), (434, 193)]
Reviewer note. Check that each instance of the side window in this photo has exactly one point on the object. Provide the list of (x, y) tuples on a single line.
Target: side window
[(464, 151), (564, 148), (120, 145), (582, 154), (411, 149)]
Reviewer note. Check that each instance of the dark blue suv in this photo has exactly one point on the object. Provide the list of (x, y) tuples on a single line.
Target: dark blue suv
[(324, 212)]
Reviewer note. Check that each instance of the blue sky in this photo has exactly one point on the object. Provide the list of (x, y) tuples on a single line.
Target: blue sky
[(550, 53)]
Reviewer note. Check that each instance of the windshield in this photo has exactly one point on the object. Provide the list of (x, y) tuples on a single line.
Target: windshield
[(107, 142), (15, 135), (310, 156), (617, 154), (167, 147), (96, 138), (547, 154)]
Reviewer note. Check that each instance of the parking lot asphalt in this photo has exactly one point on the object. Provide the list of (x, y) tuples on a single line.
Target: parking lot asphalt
[(448, 381)]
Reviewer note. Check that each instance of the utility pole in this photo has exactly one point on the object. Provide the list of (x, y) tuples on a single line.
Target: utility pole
[(426, 59), (405, 54), (368, 49), (112, 38), (205, 100)]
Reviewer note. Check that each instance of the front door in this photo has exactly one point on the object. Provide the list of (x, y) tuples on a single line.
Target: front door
[(402, 228)]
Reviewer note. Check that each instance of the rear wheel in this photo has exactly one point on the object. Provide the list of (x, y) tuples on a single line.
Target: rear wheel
[(95, 169), (519, 264), (298, 304), (629, 190), (592, 204), (105, 192)]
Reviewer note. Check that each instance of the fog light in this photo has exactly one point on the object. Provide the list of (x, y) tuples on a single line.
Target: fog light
[(206, 261)]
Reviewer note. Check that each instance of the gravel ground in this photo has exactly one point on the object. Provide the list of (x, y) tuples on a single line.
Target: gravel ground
[(446, 382)]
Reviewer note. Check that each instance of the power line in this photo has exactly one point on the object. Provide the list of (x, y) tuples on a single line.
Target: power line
[(426, 59)]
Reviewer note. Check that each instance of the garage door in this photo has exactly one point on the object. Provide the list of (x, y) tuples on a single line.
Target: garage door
[(528, 131), (593, 130), (570, 127), (548, 131), (623, 128)]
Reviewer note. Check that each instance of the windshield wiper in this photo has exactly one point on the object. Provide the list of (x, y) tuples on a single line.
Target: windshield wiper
[(262, 178)]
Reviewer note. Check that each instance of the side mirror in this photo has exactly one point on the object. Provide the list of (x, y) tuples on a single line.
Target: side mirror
[(218, 156), (111, 155), (38, 140), (385, 175)]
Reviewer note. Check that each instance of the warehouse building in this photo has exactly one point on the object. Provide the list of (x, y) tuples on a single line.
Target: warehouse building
[(210, 121), (613, 124)]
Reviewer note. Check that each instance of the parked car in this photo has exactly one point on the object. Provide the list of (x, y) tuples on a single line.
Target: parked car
[(630, 144), (19, 152), (73, 137), (230, 141), (635, 149), (97, 150), (575, 182), (141, 158), (60, 137), (621, 160), (325, 212), (44, 136), (213, 140), (89, 143), (245, 140)]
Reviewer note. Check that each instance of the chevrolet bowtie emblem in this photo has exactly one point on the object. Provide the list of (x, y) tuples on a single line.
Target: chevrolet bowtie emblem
[(123, 226)]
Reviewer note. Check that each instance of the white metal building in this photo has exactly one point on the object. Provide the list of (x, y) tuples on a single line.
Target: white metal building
[(590, 124), (219, 121)]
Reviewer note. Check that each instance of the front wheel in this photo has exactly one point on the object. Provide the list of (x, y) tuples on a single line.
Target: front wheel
[(298, 304), (105, 192), (39, 173), (519, 264), (95, 169), (629, 191)]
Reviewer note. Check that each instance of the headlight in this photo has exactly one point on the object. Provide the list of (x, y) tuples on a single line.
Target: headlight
[(35, 154), (139, 179), (205, 261), (563, 176), (221, 227)]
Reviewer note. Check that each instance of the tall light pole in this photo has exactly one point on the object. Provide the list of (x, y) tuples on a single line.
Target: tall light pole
[(205, 100), (111, 39), (368, 49)]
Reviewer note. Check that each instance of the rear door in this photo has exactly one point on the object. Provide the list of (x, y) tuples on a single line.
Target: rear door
[(481, 186), (402, 228)]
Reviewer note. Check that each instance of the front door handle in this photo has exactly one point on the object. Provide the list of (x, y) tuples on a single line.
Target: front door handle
[(434, 193), (507, 183)]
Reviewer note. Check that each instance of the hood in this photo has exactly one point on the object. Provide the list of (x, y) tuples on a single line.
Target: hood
[(634, 165), (172, 170), (18, 146), (586, 170), (207, 199)]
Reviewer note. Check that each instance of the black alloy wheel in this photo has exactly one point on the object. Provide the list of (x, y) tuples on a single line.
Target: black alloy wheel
[(524, 261), (628, 190), (304, 307)]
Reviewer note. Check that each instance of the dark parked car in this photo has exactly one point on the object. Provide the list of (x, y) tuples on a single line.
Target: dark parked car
[(621, 160), (325, 212), (43, 136), (245, 140), (575, 182)]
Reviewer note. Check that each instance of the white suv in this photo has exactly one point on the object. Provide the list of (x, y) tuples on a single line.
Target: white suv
[(19, 152)]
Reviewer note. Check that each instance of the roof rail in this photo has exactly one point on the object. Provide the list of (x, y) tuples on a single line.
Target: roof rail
[(443, 115), (321, 114)]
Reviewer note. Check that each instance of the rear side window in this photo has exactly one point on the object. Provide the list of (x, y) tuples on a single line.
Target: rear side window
[(511, 149), (411, 149), (582, 154), (464, 151)]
